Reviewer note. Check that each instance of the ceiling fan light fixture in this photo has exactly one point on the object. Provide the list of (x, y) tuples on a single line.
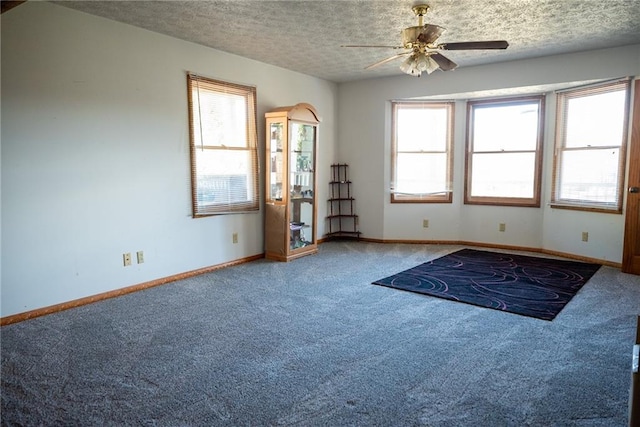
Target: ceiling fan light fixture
[(409, 66), (417, 63), (431, 64)]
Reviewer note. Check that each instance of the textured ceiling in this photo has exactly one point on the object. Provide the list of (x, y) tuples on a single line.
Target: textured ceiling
[(306, 36)]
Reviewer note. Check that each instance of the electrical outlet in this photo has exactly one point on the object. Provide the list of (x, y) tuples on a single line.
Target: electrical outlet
[(585, 236), (126, 259), (235, 237), (140, 255), (502, 226), (425, 223)]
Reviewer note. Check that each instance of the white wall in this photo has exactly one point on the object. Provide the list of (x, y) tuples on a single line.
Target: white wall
[(95, 155), (364, 142)]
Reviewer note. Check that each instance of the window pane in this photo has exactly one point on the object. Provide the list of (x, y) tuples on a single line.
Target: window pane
[(421, 152), (596, 120), (504, 148), (503, 175), (224, 176), (590, 142), (422, 129), (224, 119), (421, 173), (590, 175), (223, 142), (505, 127)]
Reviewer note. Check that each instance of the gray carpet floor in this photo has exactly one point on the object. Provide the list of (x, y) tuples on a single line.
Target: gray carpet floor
[(313, 343)]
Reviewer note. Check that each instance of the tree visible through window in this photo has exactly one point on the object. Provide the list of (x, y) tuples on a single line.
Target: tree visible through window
[(504, 151), (223, 135), (591, 133), (421, 152)]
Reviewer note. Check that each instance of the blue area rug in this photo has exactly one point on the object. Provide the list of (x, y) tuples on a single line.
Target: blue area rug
[(530, 286)]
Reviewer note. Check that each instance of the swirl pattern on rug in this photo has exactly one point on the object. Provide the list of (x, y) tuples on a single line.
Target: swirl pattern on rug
[(530, 286)]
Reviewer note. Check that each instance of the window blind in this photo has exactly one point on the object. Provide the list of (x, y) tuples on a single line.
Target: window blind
[(591, 134), (224, 149)]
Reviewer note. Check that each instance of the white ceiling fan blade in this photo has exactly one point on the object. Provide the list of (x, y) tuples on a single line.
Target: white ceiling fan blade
[(369, 45), (384, 61)]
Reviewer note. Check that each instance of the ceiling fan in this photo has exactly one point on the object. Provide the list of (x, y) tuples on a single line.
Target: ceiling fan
[(423, 51)]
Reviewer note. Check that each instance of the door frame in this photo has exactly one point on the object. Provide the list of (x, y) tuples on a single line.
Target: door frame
[(631, 246)]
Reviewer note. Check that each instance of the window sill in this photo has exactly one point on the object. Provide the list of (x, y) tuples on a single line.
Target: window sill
[(586, 208), (426, 199), (502, 201)]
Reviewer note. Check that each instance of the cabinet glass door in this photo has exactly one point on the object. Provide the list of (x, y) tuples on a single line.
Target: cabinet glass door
[(276, 166), (302, 184)]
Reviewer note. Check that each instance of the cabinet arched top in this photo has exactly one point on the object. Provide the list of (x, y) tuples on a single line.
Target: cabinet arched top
[(302, 111)]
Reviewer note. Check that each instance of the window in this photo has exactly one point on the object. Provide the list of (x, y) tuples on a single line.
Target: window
[(591, 132), (504, 151), (224, 157), (421, 160)]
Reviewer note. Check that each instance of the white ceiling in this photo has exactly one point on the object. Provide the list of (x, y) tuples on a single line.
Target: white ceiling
[(306, 36)]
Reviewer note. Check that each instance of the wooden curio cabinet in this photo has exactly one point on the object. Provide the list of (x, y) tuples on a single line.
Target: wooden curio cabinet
[(290, 202)]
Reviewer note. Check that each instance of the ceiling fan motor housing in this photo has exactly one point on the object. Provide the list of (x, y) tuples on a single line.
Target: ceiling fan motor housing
[(410, 36), (420, 35)]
